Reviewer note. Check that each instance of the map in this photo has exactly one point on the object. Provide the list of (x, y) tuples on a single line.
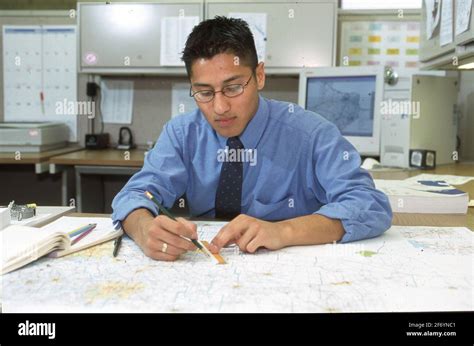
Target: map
[(348, 102), (405, 269)]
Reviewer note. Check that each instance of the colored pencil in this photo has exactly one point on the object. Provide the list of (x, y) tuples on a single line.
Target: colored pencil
[(83, 234), (81, 229)]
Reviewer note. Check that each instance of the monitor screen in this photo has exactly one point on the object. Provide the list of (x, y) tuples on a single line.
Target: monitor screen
[(346, 101)]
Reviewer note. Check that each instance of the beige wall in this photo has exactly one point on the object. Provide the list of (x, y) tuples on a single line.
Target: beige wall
[(47, 4), (152, 95), (466, 123), (152, 107), (152, 104)]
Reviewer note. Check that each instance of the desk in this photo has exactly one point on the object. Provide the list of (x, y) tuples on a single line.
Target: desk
[(104, 157), (19, 179), (461, 169), (115, 162), (381, 274), (106, 161), (40, 160)]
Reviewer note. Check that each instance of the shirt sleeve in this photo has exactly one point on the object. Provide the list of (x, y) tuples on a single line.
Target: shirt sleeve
[(349, 190), (163, 174)]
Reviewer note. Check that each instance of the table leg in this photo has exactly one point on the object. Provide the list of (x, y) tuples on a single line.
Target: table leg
[(78, 191)]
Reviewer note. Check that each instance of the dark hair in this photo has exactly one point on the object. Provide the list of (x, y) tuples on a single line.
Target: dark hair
[(217, 36)]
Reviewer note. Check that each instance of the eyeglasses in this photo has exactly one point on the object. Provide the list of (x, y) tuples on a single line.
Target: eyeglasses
[(231, 90)]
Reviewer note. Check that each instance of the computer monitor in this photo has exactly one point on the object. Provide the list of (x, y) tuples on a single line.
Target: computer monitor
[(349, 97)]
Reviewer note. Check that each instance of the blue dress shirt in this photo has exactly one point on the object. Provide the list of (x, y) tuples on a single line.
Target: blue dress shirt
[(302, 166)]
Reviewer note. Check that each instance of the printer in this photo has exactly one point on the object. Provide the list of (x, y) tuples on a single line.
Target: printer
[(32, 137)]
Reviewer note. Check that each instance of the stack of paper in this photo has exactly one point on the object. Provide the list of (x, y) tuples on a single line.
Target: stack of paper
[(424, 196)]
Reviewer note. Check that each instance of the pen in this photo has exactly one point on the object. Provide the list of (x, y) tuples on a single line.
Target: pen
[(83, 234), (117, 243), (167, 213)]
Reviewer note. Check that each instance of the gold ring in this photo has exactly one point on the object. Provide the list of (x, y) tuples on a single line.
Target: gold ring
[(164, 247)]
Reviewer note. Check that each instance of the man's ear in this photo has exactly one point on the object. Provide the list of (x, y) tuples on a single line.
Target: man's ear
[(260, 73)]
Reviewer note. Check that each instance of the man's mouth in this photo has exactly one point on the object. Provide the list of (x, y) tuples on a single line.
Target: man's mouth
[(225, 122)]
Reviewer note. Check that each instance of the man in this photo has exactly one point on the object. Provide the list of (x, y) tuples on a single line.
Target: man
[(284, 176)]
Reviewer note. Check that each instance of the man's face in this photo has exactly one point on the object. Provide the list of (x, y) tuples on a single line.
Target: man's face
[(228, 116)]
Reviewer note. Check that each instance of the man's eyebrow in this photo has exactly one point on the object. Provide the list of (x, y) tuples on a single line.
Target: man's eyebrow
[(224, 82)]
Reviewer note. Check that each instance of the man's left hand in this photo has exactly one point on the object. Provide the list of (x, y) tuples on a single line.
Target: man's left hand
[(249, 234)]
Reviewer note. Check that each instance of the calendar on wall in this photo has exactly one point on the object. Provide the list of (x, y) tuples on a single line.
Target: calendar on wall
[(395, 44), (40, 74)]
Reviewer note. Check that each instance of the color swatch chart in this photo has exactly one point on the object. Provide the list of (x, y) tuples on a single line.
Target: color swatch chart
[(380, 43)]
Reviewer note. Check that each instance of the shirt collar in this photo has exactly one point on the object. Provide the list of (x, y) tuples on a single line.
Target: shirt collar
[(254, 130)]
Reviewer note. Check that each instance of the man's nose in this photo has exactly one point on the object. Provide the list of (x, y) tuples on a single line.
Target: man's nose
[(221, 103)]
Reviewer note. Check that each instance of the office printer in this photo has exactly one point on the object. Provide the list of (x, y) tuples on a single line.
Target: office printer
[(32, 137)]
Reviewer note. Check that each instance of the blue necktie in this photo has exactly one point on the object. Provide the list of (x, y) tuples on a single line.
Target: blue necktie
[(229, 190)]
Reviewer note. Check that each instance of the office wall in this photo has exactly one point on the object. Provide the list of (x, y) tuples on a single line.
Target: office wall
[(152, 108), (152, 104), (47, 4), (152, 95), (18, 181), (466, 107)]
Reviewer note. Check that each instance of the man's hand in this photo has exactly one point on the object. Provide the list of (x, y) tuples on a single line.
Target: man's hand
[(151, 233), (249, 234), (156, 232)]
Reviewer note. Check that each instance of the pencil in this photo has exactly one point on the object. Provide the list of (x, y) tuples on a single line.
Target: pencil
[(81, 229), (167, 213), (83, 234)]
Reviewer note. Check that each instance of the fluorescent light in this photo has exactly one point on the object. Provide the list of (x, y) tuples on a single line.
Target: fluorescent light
[(467, 66), (378, 5)]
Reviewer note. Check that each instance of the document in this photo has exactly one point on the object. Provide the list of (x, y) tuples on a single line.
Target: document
[(423, 196), (450, 179), (463, 15), (446, 27), (433, 10), (181, 101), (116, 101), (174, 32), (258, 25)]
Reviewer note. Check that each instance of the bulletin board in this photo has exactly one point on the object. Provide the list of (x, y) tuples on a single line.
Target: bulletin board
[(40, 74)]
